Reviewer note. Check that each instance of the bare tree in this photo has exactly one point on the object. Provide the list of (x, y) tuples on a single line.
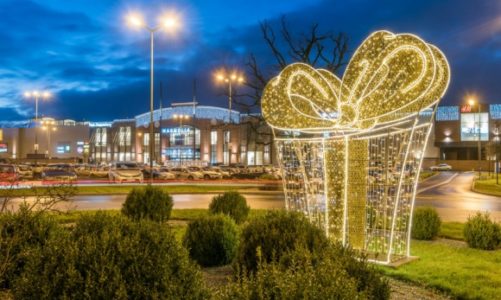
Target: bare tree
[(327, 50)]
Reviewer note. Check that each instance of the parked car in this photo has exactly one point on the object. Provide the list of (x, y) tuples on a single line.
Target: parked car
[(25, 172), (163, 174), (125, 171), (229, 169), (224, 173), (441, 167), (100, 172), (83, 170), (37, 169), (8, 173), (58, 172), (185, 173), (207, 173)]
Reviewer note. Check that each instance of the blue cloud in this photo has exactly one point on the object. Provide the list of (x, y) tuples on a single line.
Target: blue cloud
[(83, 53)]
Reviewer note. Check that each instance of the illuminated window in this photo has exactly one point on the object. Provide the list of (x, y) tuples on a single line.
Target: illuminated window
[(213, 147), (266, 157), (124, 136), (226, 148), (473, 124)]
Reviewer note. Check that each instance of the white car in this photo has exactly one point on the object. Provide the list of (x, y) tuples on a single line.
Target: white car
[(441, 167), (185, 173), (163, 174), (125, 171), (224, 173), (25, 172), (207, 174)]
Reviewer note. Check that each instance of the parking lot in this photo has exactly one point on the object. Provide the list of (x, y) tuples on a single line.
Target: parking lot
[(129, 172)]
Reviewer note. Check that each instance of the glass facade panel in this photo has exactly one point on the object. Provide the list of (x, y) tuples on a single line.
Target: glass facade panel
[(226, 148), (213, 147), (473, 124)]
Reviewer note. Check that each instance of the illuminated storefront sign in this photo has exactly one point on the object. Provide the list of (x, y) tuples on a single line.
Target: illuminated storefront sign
[(470, 128), (177, 130), (3, 148), (63, 148), (495, 110), (447, 113), (465, 108)]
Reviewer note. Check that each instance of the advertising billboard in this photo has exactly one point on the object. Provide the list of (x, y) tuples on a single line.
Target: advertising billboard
[(473, 124)]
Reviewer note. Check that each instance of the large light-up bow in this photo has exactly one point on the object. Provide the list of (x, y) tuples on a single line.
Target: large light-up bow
[(388, 78)]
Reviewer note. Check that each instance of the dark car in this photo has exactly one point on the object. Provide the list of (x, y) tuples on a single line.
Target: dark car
[(59, 172)]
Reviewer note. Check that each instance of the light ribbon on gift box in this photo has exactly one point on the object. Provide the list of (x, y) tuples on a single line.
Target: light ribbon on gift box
[(347, 164), (389, 77)]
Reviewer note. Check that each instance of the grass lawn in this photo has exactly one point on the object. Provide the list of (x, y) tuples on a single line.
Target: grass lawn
[(426, 174), (125, 189), (452, 267), (452, 230), (447, 265), (487, 186)]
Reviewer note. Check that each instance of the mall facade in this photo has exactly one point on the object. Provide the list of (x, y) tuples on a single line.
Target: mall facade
[(184, 133), (460, 129), (188, 132)]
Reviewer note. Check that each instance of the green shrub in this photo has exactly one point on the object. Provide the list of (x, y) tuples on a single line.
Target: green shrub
[(482, 233), (108, 257), (148, 203), (212, 240), (20, 233), (335, 274), (232, 204), (425, 223), (273, 235)]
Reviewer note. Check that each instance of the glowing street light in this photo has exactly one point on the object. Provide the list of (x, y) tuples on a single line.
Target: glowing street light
[(472, 101), (36, 95), (170, 23), (230, 79)]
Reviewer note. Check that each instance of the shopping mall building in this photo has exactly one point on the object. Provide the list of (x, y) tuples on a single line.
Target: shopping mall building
[(187, 132), (183, 133)]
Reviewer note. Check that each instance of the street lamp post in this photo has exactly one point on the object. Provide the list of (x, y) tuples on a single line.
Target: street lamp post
[(472, 102), (36, 95), (230, 79), (170, 23)]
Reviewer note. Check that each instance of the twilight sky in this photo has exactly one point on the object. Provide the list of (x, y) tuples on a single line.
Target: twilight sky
[(98, 68)]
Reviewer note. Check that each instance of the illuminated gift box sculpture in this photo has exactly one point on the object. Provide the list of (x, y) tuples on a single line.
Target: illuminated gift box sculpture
[(351, 149)]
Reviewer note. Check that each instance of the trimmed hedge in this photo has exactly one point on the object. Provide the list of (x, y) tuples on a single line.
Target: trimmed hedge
[(232, 204), (336, 273), (212, 240), (149, 202), (425, 223), (108, 257), (20, 233), (482, 233), (269, 237)]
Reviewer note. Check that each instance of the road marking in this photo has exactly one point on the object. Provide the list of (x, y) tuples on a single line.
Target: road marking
[(447, 181)]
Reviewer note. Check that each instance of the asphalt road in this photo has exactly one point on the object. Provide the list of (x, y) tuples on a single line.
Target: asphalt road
[(454, 199), (448, 192)]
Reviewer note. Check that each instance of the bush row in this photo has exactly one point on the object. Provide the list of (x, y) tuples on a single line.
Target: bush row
[(479, 231), (276, 256), (102, 257)]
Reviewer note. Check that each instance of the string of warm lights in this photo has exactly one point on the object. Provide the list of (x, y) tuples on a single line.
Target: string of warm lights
[(348, 147)]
